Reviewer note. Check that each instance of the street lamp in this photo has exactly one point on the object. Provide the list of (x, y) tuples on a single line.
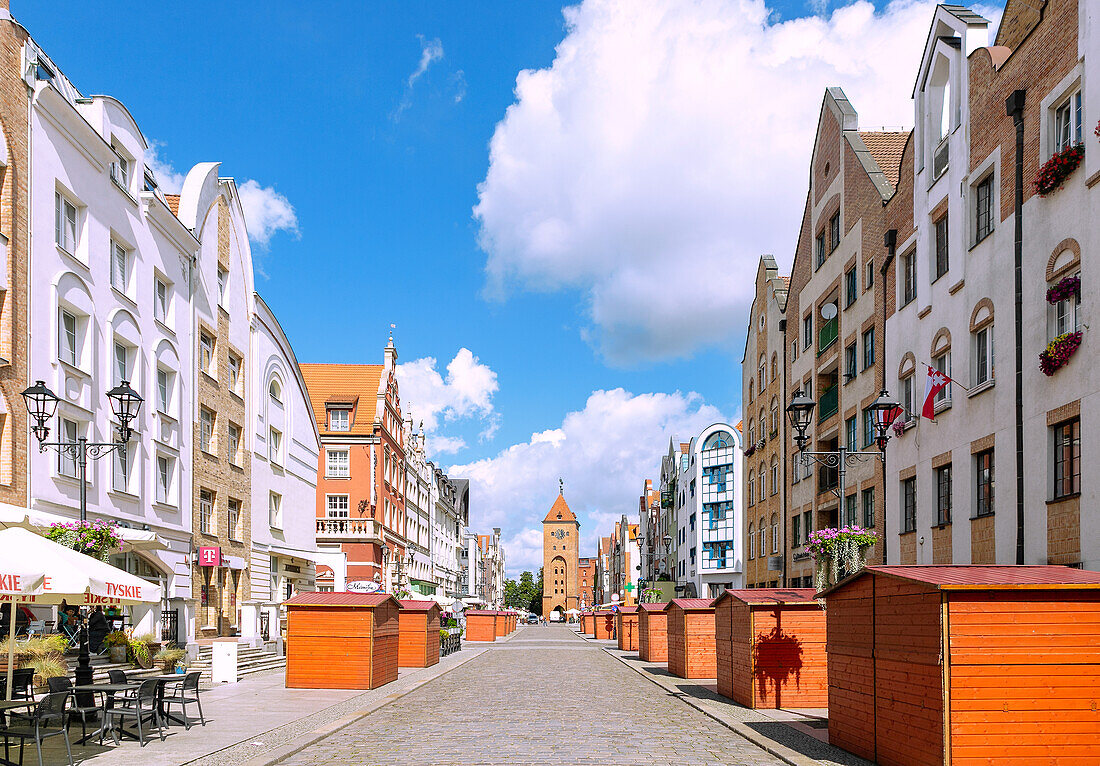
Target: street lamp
[(42, 406)]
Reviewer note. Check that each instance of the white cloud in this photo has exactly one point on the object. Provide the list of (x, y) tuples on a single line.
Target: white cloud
[(266, 212), (168, 179), (603, 452), (430, 52), (465, 393), (667, 147)]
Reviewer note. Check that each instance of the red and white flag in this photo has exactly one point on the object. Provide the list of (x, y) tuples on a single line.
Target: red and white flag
[(933, 384)]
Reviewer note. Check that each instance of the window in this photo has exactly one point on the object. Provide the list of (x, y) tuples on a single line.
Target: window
[(760, 477), (851, 287), (850, 434), (336, 506), (869, 281), (206, 353), (868, 428), (983, 208), (763, 538), (907, 396), (234, 518), (807, 524), (275, 391), (775, 533), (752, 388), (752, 431), (165, 478), (119, 266), (1067, 123), (160, 300), (867, 498), (774, 429), (223, 281), (943, 364), (909, 277), (275, 446), (983, 355), (943, 494), (819, 250), (120, 366), (275, 510), (1067, 458), (206, 511), (850, 510), (65, 223), (869, 348), (909, 504), (66, 463), (983, 469), (339, 420), (1067, 314), (206, 429), (850, 363), (752, 543), (120, 172), (337, 465), (123, 463), (796, 531), (164, 390), (234, 372), (234, 442), (941, 247), (68, 339), (775, 475), (834, 231), (752, 488), (796, 474), (763, 370), (807, 330)]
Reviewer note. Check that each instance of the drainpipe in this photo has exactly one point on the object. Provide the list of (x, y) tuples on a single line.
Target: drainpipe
[(891, 242), (1014, 107), (783, 451)]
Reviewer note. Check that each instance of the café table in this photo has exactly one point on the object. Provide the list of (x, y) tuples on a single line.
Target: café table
[(163, 681), (108, 692), (5, 706)]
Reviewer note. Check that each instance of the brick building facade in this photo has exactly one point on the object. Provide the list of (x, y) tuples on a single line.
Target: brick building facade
[(560, 560)]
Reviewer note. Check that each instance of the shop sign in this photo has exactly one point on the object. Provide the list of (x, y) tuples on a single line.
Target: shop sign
[(210, 556), (362, 586)]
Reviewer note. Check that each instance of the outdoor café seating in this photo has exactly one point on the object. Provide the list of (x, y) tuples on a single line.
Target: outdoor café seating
[(48, 718), (185, 694), (76, 710), (140, 708)]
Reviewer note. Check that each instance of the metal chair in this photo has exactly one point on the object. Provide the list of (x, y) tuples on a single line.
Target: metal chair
[(182, 697), (140, 707), (22, 684), (63, 684), (120, 677), (39, 725)]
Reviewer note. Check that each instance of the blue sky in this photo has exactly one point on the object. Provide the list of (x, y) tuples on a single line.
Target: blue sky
[(633, 277)]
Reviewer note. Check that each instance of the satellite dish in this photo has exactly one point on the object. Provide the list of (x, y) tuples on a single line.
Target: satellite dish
[(828, 311)]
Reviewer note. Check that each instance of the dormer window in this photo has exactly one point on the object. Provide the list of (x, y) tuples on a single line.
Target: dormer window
[(339, 419)]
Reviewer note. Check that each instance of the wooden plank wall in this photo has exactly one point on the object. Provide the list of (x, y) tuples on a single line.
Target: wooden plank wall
[(653, 636), (328, 648), (480, 627), (419, 639), (627, 629), (501, 625), (733, 650), (850, 652), (604, 624), (691, 643), (385, 636), (788, 664), (1024, 677)]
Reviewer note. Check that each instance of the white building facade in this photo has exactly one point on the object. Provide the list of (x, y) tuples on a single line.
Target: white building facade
[(710, 514)]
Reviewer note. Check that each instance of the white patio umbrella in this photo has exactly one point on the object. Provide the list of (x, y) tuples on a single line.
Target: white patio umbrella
[(572, 611), (40, 522), (34, 570)]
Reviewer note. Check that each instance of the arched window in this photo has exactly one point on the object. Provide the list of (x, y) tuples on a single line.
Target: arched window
[(775, 474), (763, 423), (775, 416), (752, 432), (775, 367), (751, 382), (752, 543), (775, 533), (752, 489), (717, 440), (763, 372), (760, 476), (274, 390), (763, 538)]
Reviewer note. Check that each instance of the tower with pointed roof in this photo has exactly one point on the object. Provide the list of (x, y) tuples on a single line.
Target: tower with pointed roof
[(560, 559)]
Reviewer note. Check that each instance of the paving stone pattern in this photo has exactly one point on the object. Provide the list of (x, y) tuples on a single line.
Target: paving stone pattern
[(545, 697)]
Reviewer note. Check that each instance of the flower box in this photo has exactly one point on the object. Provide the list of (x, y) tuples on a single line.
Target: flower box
[(1066, 287), (839, 553), (1057, 169), (1058, 352)]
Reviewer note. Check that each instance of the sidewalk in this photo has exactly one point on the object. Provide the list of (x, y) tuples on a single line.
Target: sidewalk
[(253, 721), (792, 735)]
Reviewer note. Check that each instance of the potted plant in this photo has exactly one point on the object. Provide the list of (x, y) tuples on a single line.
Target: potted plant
[(168, 658), (46, 667), (143, 648), (117, 643), (838, 553)]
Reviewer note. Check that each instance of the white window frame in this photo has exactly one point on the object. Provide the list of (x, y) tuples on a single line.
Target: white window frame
[(1067, 123), (165, 385), (233, 443), (207, 518), (120, 266), (274, 510), (335, 468), (206, 352), (234, 364), (68, 430), (233, 518), (223, 285), (69, 342), (207, 420), (1065, 315), (165, 479), (123, 469), (275, 446), (66, 223), (333, 425), (120, 362), (982, 357), (942, 363), (162, 300), (337, 506)]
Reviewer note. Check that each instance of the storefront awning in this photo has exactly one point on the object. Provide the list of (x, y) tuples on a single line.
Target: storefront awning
[(40, 521)]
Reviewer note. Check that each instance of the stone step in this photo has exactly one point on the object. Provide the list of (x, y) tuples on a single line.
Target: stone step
[(272, 662)]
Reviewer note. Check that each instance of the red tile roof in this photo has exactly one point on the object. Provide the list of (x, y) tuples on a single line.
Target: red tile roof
[(771, 595), (173, 201), (886, 148), (690, 603), (978, 576), (628, 609), (653, 607), (318, 598), (559, 511), (347, 384), (418, 606)]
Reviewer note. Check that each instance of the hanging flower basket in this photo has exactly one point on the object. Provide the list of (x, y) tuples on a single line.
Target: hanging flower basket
[(96, 538), (1058, 352), (899, 427), (838, 553), (1057, 169), (1066, 287), (750, 450)]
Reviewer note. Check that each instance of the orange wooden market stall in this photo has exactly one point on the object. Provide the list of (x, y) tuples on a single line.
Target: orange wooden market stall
[(419, 634), (965, 664), (341, 640), (500, 624), (481, 625), (691, 638), (586, 623), (770, 648), (652, 633), (626, 627), (603, 624)]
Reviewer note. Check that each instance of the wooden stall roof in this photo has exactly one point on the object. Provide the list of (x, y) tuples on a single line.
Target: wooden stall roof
[(688, 604), (769, 596), (654, 607), (985, 576), (604, 611), (628, 609), (330, 598), (418, 606)]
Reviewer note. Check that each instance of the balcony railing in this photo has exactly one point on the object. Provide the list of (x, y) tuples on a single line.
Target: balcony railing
[(829, 403), (359, 530), (827, 336)]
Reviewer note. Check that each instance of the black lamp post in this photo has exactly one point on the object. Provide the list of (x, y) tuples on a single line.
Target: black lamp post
[(42, 405)]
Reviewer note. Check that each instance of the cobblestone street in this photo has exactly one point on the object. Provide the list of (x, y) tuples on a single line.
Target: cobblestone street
[(545, 696)]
